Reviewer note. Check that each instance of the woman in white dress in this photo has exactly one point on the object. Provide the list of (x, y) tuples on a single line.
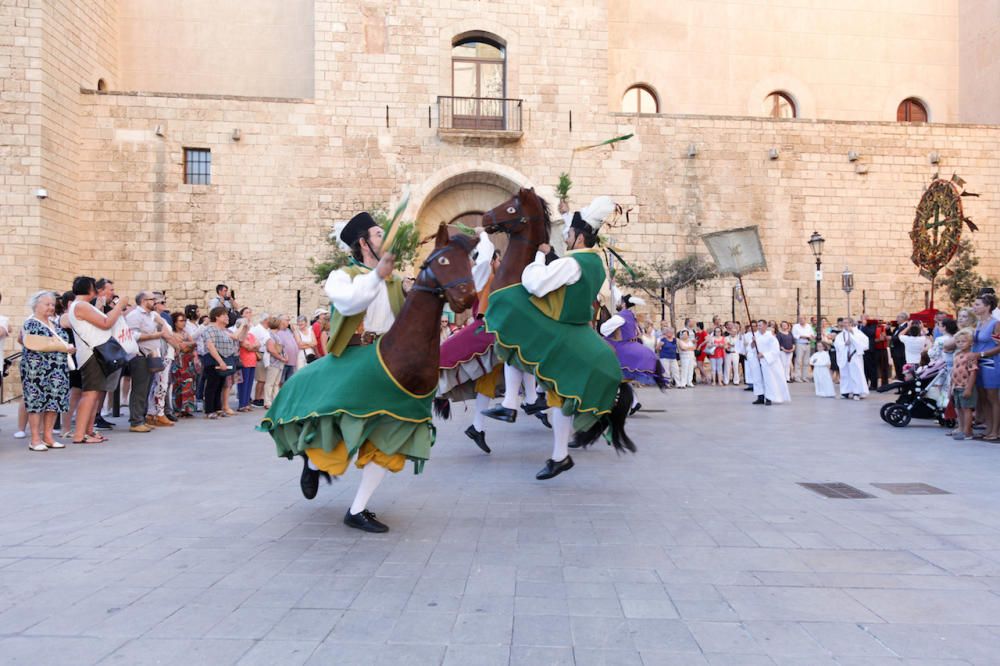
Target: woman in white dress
[(685, 349), (820, 362), (306, 339)]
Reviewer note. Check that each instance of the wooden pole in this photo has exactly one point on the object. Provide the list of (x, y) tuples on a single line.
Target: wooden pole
[(753, 332)]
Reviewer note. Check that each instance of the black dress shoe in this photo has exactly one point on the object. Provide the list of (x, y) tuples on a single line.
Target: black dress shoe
[(759, 400), (172, 417), (636, 407), (257, 403), (749, 388), (364, 521), (767, 403), (478, 437), (501, 413), (544, 418), (100, 423), (309, 481), (539, 405), (553, 468)]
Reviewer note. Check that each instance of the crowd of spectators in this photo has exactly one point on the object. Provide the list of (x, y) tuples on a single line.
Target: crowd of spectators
[(88, 349)]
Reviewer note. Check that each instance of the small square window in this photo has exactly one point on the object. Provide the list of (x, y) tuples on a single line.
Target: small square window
[(197, 166)]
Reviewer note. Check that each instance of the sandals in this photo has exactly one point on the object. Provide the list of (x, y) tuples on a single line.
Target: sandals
[(54, 445), (88, 439), (213, 416), (37, 447), (100, 438)]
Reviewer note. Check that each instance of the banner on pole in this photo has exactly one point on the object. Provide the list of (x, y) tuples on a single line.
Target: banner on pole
[(736, 251)]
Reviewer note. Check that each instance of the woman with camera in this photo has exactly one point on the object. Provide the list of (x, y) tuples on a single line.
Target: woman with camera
[(91, 328)]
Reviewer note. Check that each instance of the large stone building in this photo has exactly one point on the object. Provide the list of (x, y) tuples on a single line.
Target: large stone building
[(185, 143)]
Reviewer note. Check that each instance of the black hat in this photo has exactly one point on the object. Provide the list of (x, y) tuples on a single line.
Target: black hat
[(357, 228)]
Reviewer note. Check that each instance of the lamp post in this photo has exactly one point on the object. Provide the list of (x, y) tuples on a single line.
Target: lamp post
[(816, 245), (847, 284)]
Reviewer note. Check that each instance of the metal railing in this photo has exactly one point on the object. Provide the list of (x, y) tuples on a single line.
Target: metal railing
[(479, 114)]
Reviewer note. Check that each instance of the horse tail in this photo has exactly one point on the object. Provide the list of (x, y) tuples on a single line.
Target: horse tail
[(661, 381), (442, 407), (614, 420), (619, 414)]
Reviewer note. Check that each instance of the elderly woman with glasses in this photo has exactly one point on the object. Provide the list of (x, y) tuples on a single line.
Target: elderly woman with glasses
[(44, 370)]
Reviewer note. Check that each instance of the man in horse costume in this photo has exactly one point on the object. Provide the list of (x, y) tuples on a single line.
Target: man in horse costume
[(639, 363), (370, 396), (469, 366), (543, 326)]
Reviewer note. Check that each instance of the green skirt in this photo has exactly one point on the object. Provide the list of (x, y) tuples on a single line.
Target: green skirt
[(350, 398), (570, 359)]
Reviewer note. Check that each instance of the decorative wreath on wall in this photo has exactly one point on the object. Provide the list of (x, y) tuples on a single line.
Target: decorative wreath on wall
[(937, 225)]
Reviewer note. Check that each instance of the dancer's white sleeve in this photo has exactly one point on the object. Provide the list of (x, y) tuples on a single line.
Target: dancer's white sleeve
[(349, 296), (484, 258), (540, 279), (612, 325)]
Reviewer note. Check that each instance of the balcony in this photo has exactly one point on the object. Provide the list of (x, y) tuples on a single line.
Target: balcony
[(478, 118)]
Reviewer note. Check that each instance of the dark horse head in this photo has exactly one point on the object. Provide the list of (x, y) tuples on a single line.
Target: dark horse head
[(525, 216), (447, 271)]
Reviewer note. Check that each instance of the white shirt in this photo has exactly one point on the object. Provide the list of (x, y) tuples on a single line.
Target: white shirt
[(540, 279), (612, 325), (4, 328), (144, 323), (262, 335), (996, 314), (365, 293), (802, 332), (915, 345), (482, 269)]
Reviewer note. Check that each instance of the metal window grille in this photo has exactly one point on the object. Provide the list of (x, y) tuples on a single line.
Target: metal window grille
[(197, 166)]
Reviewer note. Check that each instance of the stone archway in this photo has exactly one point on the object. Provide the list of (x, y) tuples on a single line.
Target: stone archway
[(454, 195)]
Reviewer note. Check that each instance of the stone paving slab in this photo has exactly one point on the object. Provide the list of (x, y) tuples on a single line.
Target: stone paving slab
[(193, 545)]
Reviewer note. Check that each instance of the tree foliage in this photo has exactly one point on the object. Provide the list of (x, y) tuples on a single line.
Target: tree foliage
[(406, 243), (962, 281), (669, 278)]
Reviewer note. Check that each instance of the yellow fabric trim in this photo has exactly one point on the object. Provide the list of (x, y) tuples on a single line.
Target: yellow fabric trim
[(551, 304), (369, 453), (333, 462), (378, 352), (534, 369), (487, 384), (552, 399), (452, 367), (311, 415)]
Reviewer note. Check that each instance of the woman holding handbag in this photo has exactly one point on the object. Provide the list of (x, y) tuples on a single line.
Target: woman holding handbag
[(222, 359), (92, 330), (44, 371)]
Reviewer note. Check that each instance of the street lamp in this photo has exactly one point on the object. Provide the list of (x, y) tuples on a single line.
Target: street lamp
[(816, 245), (847, 284)]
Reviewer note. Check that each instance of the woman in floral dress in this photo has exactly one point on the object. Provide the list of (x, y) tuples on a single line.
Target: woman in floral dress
[(184, 368), (44, 374)]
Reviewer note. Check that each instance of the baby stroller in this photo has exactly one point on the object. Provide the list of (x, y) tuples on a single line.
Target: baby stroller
[(923, 394)]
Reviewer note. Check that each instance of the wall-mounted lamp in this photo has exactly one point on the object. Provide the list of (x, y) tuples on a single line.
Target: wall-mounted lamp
[(934, 158), (773, 154), (42, 193), (692, 150), (852, 156), (159, 130), (861, 169), (237, 135)]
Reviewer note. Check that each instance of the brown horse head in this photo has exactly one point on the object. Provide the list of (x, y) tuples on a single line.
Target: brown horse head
[(447, 271), (525, 216)]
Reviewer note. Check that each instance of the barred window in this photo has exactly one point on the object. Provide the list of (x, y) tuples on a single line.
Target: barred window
[(197, 166)]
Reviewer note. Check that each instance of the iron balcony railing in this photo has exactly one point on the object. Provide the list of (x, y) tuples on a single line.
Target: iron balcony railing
[(479, 114)]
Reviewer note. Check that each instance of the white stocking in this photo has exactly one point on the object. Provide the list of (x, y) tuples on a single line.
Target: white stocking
[(562, 430), (371, 476), (478, 420), (513, 378), (530, 388), (635, 397), (310, 465)]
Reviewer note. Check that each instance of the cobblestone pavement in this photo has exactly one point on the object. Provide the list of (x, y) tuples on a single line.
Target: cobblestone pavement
[(193, 545)]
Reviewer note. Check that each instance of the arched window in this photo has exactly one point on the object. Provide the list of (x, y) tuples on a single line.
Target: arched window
[(780, 105), (102, 86), (640, 99), (911, 110), (478, 83)]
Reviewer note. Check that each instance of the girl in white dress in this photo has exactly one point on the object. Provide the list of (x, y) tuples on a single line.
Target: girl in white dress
[(820, 362)]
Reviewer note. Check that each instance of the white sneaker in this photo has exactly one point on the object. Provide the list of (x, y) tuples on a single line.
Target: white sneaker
[(20, 434)]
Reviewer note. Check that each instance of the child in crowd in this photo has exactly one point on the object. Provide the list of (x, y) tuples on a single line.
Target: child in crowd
[(963, 383), (822, 380)]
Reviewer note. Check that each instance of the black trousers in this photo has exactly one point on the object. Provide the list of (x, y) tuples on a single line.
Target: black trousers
[(214, 384), (881, 368), (899, 360)]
